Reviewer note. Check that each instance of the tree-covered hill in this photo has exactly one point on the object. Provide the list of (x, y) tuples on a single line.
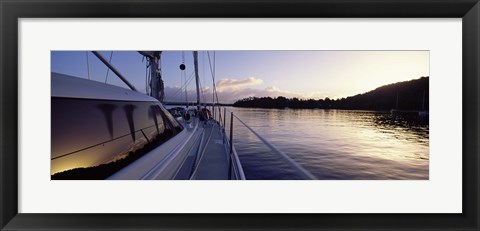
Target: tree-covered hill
[(412, 95)]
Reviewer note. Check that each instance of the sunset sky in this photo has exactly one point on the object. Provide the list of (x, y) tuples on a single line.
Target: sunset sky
[(241, 74)]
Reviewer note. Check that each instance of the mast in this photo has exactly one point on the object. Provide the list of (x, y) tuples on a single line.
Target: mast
[(156, 79), (156, 82), (197, 79)]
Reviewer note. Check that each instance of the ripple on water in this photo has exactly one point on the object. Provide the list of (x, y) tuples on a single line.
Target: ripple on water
[(333, 144)]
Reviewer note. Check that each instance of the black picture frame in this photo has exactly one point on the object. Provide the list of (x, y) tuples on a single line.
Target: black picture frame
[(12, 10)]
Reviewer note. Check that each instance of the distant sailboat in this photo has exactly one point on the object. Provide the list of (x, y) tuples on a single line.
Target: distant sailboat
[(423, 112), (395, 110)]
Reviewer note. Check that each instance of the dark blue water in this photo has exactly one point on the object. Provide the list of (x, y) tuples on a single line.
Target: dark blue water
[(333, 144)]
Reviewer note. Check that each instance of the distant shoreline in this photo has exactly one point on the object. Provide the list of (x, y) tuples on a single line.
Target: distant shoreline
[(341, 109), (194, 103), (410, 95)]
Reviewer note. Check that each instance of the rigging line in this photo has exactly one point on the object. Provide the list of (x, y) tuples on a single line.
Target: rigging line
[(183, 82), (160, 80), (186, 88), (181, 87), (146, 76), (185, 77), (200, 83), (189, 80), (149, 76), (214, 67), (213, 84), (88, 66), (214, 74), (213, 77), (211, 72), (201, 89), (108, 69), (203, 72)]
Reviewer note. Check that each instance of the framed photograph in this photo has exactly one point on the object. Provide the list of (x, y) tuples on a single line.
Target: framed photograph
[(267, 115)]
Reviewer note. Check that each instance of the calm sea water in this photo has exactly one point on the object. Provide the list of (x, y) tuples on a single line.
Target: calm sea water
[(333, 144)]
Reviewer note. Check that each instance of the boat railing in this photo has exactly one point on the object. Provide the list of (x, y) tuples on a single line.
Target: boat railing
[(232, 152), (235, 169)]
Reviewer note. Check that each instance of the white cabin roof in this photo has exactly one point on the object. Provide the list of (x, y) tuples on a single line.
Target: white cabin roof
[(74, 87)]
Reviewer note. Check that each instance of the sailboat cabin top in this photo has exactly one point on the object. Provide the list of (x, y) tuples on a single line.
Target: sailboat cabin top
[(65, 86)]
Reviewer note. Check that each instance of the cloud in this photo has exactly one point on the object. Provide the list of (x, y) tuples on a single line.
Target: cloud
[(231, 90), (320, 95), (272, 91), (233, 84)]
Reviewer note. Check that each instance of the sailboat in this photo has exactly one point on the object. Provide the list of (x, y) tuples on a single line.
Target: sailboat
[(101, 131), (421, 113), (395, 110)]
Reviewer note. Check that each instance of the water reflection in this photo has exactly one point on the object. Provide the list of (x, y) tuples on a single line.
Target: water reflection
[(335, 144)]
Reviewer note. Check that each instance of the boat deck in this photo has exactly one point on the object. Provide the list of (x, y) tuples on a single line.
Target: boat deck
[(213, 161), (197, 153)]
